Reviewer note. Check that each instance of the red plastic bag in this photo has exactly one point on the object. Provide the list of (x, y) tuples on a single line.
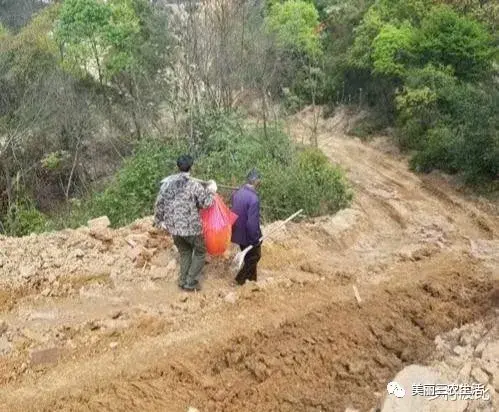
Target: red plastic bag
[(217, 226)]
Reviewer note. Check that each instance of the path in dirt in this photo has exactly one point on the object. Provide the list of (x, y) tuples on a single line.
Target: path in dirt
[(120, 335)]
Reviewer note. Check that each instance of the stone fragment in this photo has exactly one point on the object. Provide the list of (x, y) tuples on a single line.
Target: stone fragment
[(459, 350), (465, 372), (27, 272), (5, 346), (102, 222), (480, 376), (466, 339), (231, 297), (491, 352), (78, 253), (479, 349)]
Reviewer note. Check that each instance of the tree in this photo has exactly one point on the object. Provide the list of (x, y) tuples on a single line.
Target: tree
[(83, 32), (224, 57), (449, 39), (295, 26), (434, 65), (25, 58), (484, 11), (48, 122), (392, 49), (120, 40), (397, 13)]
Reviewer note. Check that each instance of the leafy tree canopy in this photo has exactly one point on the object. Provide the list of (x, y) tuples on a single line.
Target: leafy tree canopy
[(295, 25)]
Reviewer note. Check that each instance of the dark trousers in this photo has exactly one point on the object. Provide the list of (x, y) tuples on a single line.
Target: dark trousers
[(192, 251), (248, 271)]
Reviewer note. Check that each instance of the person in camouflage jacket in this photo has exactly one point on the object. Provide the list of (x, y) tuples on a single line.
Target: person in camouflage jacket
[(177, 212)]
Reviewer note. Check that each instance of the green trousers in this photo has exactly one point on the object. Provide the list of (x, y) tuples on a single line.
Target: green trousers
[(192, 251)]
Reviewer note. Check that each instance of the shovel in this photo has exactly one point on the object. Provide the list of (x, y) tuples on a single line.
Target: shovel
[(237, 262)]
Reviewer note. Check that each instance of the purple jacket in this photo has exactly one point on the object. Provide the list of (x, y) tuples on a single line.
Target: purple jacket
[(246, 205)]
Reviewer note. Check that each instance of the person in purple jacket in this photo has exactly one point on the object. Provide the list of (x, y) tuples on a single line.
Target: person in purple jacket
[(246, 229)]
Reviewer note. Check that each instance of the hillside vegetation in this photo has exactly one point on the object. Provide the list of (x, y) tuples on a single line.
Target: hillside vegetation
[(97, 98)]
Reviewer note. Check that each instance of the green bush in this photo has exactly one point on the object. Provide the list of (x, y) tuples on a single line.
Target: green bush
[(292, 102), (419, 104), (434, 68), (392, 48), (476, 127), (293, 23), (23, 219), (466, 138), (369, 125), (437, 151), (310, 183), (449, 39), (131, 194), (291, 179)]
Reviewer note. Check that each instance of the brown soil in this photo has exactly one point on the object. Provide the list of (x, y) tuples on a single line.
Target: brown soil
[(122, 337)]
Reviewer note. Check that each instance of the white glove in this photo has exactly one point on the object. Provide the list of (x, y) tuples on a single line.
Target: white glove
[(211, 186)]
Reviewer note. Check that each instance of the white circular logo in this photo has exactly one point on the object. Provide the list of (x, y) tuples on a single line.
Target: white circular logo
[(396, 389)]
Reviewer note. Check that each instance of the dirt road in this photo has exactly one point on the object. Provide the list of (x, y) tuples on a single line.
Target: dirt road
[(92, 319)]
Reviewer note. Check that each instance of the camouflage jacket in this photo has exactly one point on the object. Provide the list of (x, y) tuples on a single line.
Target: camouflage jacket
[(178, 203)]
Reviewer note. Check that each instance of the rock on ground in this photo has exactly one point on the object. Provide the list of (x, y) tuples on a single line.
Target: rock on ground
[(5, 346), (99, 223), (480, 376), (231, 297)]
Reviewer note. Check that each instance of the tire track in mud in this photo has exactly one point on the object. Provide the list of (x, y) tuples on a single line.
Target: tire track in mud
[(486, 226), (373, 168)]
